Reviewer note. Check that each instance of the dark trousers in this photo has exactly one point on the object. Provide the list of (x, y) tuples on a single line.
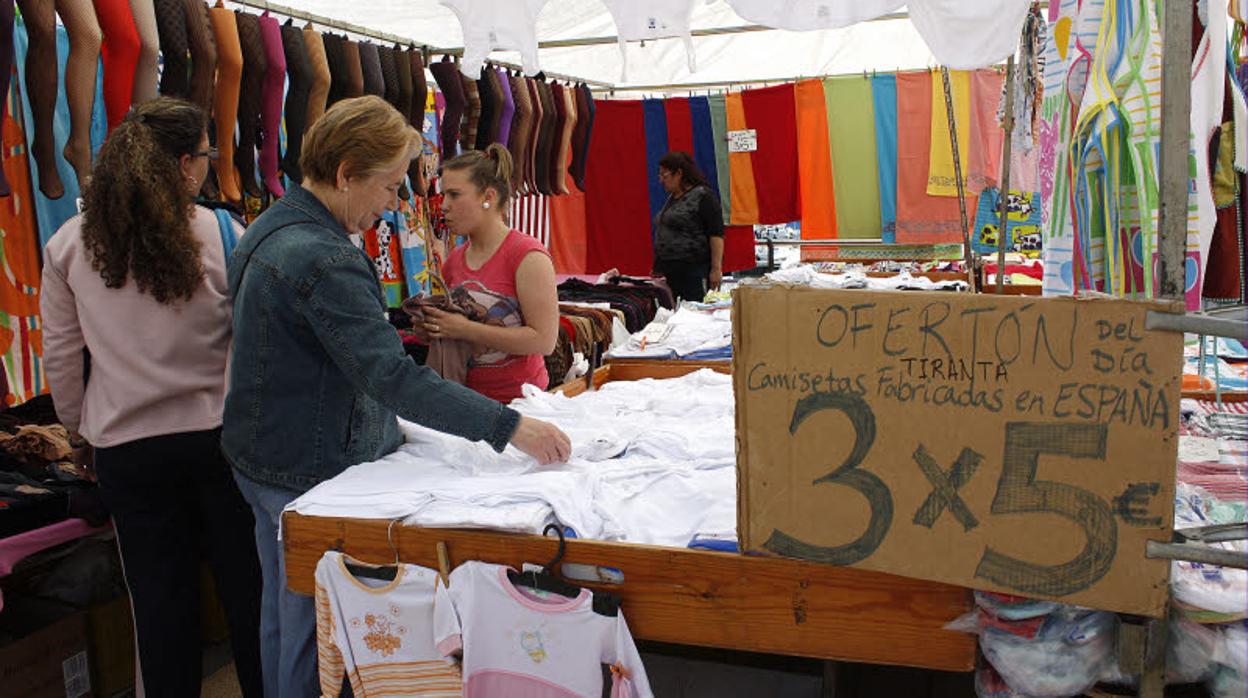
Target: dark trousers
[(686, 279), (172, 497)]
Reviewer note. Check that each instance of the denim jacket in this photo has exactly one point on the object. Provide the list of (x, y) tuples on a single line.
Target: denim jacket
[(318, 374)]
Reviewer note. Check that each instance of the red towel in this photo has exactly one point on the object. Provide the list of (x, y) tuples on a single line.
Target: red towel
[(738, 248), (679, 125), (771, 112), (617, 203)]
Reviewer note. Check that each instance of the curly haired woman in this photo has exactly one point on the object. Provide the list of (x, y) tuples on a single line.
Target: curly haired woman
[(138, 283)]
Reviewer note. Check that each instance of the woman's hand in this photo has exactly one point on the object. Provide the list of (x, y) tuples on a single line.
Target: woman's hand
[(439, 324), (542, 440), (716, 278)]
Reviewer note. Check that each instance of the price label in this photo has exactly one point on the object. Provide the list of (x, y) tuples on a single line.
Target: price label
[(745, 141), (1012, 444)]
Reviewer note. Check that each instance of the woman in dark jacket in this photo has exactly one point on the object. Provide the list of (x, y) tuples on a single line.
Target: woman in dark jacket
[(689, 230)]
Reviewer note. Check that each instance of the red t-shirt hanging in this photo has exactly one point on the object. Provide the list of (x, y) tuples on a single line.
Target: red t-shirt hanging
[(489, 293)]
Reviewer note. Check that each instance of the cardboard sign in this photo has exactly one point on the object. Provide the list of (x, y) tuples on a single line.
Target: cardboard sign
[(1013, 444), (743, 141)]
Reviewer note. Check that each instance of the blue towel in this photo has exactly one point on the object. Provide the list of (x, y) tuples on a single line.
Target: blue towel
[(656, 148), (704, 141), (884, 93)]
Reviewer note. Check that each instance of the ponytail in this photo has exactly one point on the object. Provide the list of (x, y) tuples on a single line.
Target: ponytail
[(490, 169)]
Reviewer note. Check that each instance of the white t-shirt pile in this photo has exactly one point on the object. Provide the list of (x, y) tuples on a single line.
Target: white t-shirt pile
[(677, 335), (653, 461), (806, 275)]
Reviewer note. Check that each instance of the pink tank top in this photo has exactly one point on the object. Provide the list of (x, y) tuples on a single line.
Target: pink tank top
[(490, 295)]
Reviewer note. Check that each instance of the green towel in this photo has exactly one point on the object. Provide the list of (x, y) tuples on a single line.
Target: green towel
[(855, 163), (719, 124)]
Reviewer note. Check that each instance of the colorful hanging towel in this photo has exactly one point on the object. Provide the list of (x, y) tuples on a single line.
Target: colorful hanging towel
[(616, 203), (679, 124), (21, 334), (741, 165), (851, 137), (656, 148), (719, 132), (414, 233), (921, 218), (771, 113), (940, 179), (884, 95), (1023, 212), (814, 161), (738, 248), (704, 140), (987, 138)]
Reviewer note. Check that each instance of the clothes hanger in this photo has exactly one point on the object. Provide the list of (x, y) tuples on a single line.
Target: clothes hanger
[(385, 573), (546, 579)]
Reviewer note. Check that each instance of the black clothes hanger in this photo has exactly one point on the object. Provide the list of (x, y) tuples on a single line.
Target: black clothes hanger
[(604, 603)]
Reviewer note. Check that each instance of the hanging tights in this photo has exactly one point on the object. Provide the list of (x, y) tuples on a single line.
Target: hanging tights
[(203, 45), (225, 102), (420, 92), (389, 77), (171, 27), (318, 93), (370, 65), (271, 108), (299, 70), (121, 57), (337, 63), (145, 70), (446, 74), (403, 70), (250, 99), (39, 17), (355, 72)]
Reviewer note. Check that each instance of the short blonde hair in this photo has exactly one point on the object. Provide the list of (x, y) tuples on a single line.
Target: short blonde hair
[(366, 133)]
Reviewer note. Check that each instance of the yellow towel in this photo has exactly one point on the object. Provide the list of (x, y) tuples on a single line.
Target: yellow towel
[(940, 178)]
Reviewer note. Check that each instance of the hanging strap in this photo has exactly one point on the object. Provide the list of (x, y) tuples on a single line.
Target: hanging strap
[(229, 237)]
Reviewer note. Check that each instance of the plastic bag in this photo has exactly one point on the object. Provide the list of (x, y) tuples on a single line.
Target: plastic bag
[(1071, 651)]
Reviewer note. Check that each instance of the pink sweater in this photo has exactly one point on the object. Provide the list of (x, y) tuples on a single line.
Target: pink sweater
[(155, 369)]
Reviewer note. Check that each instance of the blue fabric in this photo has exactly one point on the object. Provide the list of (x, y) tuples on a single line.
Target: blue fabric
[(51, 214), (656, 147), (721, 545), (229, 237), (884, 94), (287, 619), (704, 141)]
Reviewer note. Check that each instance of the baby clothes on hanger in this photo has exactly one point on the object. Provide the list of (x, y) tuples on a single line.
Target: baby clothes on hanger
[(497, 24), (518, 641), (640, 20), (380, 634)]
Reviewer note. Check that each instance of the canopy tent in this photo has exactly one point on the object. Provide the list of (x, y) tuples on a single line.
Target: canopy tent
[(891, 43)]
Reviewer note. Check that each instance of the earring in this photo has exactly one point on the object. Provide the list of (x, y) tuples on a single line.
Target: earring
[(485, 205)]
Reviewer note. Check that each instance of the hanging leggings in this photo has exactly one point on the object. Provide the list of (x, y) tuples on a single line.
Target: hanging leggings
[(6, 69), (370, 65), (420, 89), (203, 45), (81, 71), (446, 74), (271, 109), (389, 76), (355, 72), (171, 27), (39, 16), (250, 98), (225, 102), (337, 63), (121, 57), (318, 94), (403, 71), (299, 70), (145, 71)]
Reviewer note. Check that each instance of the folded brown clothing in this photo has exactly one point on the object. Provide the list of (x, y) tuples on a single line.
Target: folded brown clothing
[(449, 357)]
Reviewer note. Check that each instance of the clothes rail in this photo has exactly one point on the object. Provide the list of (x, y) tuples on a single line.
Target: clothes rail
[(724, 85), (388, 38)]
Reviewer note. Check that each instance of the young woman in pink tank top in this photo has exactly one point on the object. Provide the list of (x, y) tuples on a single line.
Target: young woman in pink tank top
[(502, 277)]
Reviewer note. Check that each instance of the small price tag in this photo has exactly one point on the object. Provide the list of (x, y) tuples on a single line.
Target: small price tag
[(743, 141)]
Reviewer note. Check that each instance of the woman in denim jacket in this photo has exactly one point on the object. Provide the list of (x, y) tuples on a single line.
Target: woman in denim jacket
[(318, 375)]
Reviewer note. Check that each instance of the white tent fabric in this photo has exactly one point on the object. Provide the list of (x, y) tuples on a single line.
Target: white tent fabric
[(754, 56)]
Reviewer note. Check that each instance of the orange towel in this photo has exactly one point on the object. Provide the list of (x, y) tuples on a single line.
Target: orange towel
[(814, 162), (744, 194), (921, 218)]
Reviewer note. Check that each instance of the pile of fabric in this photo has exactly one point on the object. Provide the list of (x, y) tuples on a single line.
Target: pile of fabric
[(642, 470), (692, 333)]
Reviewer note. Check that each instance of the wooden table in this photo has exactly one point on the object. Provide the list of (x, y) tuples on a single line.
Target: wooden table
[(691, 597)]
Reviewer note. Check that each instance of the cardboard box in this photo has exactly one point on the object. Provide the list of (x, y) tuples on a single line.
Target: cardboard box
[(49, 661), (1004, 443)]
